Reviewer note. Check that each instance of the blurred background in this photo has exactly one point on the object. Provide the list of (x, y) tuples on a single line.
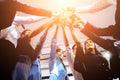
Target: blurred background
[(100, 19)]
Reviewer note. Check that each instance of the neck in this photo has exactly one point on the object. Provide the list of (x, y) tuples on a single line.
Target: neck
[(92, 51)]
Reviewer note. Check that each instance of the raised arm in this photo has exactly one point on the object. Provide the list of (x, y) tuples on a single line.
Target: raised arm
[(79, 55), (74, 35), (31, 10), (56, 32), (40, 28), (78, 23), (98, 5), (65, 37), (79, 50), (28, 19), (53, 45), (69, 53), (41, 42), (104, 43)]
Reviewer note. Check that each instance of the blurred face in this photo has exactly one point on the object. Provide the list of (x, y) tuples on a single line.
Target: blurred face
[(26, 33), (90, 46), (60, 54)]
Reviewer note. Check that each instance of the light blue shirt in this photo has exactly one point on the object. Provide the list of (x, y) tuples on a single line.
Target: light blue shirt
[(35, 72), (56, 67)]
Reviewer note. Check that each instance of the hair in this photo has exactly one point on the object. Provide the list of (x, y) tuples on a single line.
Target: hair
[(24, 31), (74, 46), (96, 51), (58, 50), (22, 68)]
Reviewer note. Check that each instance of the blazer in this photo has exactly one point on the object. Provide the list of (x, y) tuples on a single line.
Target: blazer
[(107, 44)]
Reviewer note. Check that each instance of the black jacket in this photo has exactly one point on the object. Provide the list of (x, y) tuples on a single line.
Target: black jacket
[(7, 59), (91, 66), (107, 44), (24, 47)]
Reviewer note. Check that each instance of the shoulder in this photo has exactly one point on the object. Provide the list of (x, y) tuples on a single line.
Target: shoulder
[(4, 42), (9, 4)]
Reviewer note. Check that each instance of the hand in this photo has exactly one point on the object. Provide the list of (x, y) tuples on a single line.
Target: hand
[(78, 25), (57, 12), (77, 22), (71, 9)]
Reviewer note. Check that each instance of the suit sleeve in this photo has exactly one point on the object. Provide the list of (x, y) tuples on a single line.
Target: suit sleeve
[(108, 31), (79, 60), (104, 43), (31, 10)]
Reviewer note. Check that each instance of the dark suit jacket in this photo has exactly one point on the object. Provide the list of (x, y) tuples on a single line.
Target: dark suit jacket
[(7, 59), (90, 65), (108, 45), (24, 48)]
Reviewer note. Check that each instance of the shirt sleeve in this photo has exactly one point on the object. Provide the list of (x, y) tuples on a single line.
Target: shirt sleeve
[(31, 10), (27, 19), (69, 55), (53, 49)]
